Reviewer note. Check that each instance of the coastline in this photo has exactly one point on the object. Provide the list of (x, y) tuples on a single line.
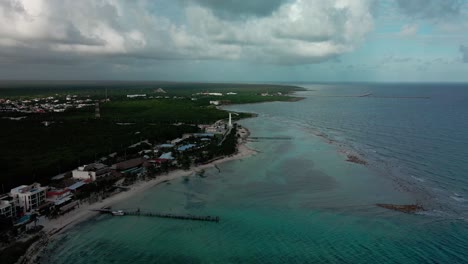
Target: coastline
[(63, 223), (54, 227)]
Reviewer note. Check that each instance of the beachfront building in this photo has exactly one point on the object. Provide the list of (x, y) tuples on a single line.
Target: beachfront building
[(137, 166), (59, 197), (161, 146), (217, 128), (165, 158), (29, 197), (7, 209), (186, 147), (135, 95), (91, 172), (57, 194)]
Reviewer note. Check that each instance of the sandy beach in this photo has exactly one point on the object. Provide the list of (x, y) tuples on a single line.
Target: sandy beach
[(56, 226)]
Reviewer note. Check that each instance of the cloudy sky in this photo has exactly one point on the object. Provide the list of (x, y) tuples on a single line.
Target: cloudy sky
[(235, 40)]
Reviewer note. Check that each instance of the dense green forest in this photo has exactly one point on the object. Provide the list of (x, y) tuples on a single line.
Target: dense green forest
[(119, 90), (31, 151)]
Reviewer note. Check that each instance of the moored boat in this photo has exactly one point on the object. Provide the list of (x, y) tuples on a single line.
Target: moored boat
[(118, 213)]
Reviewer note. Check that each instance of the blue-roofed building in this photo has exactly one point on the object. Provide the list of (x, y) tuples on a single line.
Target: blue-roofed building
[(166, 146), (185, 147), (166, 156), (76, 185)]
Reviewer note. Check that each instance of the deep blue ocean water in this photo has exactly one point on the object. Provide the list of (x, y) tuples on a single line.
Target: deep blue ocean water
[(299, 201), (421, 143)]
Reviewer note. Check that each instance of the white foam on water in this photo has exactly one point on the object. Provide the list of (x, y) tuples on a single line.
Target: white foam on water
[(458, 199), (418, 179)]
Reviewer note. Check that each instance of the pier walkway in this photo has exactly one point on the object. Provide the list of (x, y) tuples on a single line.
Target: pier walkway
[(272, 138), (160, 215)]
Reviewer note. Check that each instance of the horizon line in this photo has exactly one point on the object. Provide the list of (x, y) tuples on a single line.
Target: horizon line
[(239, 82)]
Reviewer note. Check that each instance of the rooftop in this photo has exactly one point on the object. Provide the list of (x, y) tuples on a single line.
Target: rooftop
[(166, 145), (203, 135), (63, 200), (33, 188), (124, 165), (76, 185), (185, 147), (94, 167), (58, 177), (167, 155), (4, 204)]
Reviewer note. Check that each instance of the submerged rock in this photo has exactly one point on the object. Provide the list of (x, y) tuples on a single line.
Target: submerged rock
[(407, 208), (356, 159)]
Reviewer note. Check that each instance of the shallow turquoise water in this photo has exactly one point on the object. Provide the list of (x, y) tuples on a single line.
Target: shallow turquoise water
[(296, 201)]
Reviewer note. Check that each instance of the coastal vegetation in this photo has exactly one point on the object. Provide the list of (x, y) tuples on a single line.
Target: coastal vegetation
[(43, 145), (32, 152), (245, 93), (12, 253)]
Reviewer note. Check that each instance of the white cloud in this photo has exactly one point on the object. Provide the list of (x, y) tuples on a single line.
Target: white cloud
[(289, 32), (409, 30)]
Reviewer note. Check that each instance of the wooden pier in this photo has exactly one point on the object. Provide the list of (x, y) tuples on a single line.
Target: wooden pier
[(161, 215), (272, 138)]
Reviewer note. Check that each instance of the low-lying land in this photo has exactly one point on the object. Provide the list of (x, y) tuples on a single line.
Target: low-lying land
[(51, 127), (244, 93), (230, 147), (89, 141)]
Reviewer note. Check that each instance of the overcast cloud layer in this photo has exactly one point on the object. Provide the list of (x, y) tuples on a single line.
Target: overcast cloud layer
[(273, 31), (110, 34)]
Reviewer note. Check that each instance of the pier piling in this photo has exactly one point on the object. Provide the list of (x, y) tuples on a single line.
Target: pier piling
[(162, 215)]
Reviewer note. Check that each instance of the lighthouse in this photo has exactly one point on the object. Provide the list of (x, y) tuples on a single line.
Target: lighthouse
[(230, 121), (97, 112)]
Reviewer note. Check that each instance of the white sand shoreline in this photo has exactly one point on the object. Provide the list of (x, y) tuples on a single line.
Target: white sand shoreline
[(59, 225), (54, 227)]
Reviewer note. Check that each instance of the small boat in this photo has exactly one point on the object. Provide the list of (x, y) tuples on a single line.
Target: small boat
[(118, 213)]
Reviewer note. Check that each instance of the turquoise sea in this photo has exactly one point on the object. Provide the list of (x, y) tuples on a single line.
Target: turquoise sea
[(298, 200)]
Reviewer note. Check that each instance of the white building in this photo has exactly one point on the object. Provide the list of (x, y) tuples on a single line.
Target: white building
[(135, 95), (91, 172), (214, 102), (29, 197), (230, 121), (7, 208)]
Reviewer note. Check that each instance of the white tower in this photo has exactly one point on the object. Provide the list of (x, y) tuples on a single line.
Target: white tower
[(97, 112), (230, 121)]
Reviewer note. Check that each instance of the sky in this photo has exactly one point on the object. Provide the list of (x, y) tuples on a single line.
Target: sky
[(235, 40)]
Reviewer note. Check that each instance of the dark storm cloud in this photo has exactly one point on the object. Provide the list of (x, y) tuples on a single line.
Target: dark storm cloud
[(433, 9), (72, 35), (464, 51), (233, 9)]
